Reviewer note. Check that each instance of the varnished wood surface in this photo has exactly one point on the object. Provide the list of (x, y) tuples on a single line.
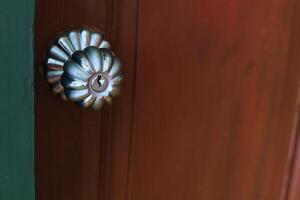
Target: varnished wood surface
[(79, 154), (216, 97), (293, 184), (208, 113)]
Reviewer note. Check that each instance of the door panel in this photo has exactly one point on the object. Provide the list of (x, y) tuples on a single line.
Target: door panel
[(208, 109), (83, 154), (216, 95)]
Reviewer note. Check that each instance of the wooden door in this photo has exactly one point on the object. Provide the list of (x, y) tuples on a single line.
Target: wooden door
[(208, 111)]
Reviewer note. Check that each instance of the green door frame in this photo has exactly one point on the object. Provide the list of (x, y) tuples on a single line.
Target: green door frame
[(16, 100)]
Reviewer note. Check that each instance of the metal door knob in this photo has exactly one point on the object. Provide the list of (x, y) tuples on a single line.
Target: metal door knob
[(81, 68)]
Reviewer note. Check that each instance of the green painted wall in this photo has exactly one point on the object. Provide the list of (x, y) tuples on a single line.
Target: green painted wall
[(16, 100)]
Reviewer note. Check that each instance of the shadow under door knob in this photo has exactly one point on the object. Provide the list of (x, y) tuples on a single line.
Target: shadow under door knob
[(81, 68)]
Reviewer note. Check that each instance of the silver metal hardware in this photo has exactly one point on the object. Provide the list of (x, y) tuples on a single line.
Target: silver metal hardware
[(81, 68)]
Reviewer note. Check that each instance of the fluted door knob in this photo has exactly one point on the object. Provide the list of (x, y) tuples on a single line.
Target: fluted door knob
[(81, 68)]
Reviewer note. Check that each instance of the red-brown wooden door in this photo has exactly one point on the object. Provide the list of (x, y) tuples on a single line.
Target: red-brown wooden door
[(208, 109)]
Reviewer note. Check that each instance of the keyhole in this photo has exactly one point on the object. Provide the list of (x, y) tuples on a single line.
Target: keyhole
[(100, 80), (99, 83)]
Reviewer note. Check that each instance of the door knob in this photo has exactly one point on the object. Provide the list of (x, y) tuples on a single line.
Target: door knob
[(80, 67)]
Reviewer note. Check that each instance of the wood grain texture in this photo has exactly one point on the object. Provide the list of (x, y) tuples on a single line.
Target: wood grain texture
[(17, 100), (209, 113), (292, 183), (216, 97), (80, 155), (293, 177)]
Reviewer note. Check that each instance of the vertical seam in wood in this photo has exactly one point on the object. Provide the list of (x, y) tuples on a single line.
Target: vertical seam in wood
[(106, 149), (101, 180), (132, 139), (112, 9), (286, 191), (295, 135), (292, 155)]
